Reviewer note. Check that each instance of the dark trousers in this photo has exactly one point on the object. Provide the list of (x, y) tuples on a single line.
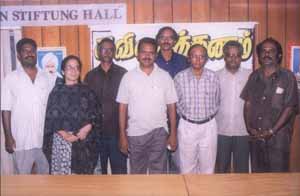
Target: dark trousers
[(267, 158), (173, 157), (109, 150), (238, 147)]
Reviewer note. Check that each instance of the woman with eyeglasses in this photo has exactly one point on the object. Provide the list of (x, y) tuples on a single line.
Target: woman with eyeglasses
[(70, 124)]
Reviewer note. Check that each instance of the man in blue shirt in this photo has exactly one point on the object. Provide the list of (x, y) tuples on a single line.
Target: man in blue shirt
[(173, 63), (167, 59)]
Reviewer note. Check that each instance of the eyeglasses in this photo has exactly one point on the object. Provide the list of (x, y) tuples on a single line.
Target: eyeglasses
[(70, 68)]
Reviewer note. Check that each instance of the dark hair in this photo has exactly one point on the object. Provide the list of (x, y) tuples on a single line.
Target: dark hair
[(277, 45), (161, 30), (147, 40), (195, 46), (233, 43), (64, 64), (24, 41), (106, 39)]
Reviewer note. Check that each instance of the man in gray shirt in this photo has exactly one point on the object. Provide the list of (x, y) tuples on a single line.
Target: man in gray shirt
[(232, 133)]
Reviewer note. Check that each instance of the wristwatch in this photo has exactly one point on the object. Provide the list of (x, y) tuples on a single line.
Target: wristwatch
[(271, 131)]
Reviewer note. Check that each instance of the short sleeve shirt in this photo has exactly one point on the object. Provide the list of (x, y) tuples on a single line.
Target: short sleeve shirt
[(230, 118), (176, 64), (27, 102), (147, 97), (198, 99), (269, 97)]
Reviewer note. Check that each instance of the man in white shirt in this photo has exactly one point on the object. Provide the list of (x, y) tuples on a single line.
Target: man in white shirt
[(23, 106), (145, 95), (232, 134)]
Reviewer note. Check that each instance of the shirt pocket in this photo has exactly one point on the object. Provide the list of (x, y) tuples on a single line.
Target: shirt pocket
[(278, 97)]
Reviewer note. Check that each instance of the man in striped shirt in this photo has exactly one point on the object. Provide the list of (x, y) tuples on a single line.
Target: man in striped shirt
[(198, 91)]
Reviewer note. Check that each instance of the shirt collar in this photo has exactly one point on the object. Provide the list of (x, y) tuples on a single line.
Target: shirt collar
[(111, 69), (155, 69), (192, 76), (22, 70), (160, 56), (229, 73), (274, 75)]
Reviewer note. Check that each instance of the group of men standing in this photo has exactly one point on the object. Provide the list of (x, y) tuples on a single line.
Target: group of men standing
[(169, 103)]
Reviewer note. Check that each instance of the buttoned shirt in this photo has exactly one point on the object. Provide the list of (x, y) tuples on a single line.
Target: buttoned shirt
[(27, 102), (230, 117), (173, 66), (269, 97), (147, 97), (198, 99), (106, 85)]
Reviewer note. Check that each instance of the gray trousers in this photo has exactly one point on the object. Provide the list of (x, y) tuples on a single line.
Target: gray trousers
[(238, 146), (23, 161), (148, 152)]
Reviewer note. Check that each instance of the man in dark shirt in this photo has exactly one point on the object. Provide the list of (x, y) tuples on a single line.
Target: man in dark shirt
[(173, 63), (270, 108), (104, 80)]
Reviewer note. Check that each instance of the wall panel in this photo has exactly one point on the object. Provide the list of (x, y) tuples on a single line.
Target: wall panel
[(182, 10), (238, 10), (33, 32), (51, 34), (219, 10), (200, 11), (12, 2), (69, 36), (85, 52), (163, 11), (276, 23), (258, 13), (292, 20), (143, 11), (130, 11)]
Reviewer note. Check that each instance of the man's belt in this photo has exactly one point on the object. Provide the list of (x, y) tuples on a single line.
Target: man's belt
[(198, 122)]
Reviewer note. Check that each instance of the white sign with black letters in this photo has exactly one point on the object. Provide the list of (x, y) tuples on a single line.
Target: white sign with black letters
[(73, 14)]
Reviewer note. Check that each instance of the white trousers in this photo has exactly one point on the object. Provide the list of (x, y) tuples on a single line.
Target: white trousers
[(197, 145)]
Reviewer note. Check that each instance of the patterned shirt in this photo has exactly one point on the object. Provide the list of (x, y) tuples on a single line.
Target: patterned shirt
[(198, 99)]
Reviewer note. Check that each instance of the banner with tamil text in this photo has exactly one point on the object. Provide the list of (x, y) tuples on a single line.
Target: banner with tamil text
[(211, 35)]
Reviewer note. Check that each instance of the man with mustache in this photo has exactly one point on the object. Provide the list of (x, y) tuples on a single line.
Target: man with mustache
[(172, 62), (270, 108), (167, 59), (104, 80), (23, 105), (233, 138), (146, 94)]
